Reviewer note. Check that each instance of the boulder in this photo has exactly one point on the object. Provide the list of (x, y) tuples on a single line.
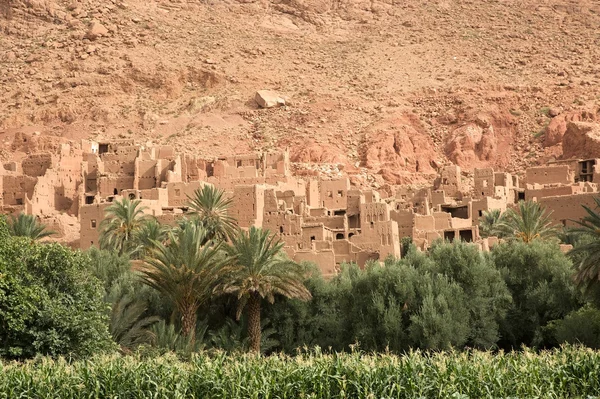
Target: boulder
[(96, 30), (558, 125), (268, 99), (581, 140)]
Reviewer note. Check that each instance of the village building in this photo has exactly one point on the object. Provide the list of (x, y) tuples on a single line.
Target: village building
[(325, 221)]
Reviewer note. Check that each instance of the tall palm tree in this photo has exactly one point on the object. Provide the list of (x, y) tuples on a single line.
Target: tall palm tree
[(258, 270), (488, 222), (184, 271), (122, 220), (586, 253), (150, 232), (210, 205), (529, 223), (27, 226)]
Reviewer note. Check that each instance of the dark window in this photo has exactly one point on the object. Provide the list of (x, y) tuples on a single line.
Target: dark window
[(449, 235), (89, 199), (115, 191), (350, 235), (480, 213), (339, 213), (19, 201), (339, 236), (521, 196), (312, 238), (131, 196), (239, 164), (281, 229), (466, 235), (93, 223), (102, 148)]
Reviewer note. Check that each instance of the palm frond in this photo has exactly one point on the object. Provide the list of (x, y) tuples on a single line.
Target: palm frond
[(27, 226)]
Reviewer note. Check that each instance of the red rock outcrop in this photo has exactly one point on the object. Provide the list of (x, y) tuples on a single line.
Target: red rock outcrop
[(581, 140), (558, 125), (398, 147)]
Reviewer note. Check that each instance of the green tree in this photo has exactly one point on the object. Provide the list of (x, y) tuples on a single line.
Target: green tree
[(122, 221), (579, 327), (539, 278), (529, 223), (150, 233), (210, 206), (483, 285), (586, 253), (49, 303), (259, 270), (488, 223), (128, 325), (184, 270), (27, 226)]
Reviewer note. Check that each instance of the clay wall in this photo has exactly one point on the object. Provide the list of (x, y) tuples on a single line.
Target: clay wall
[(324, 259), (16, 188), (374, 212), (313, 194), (35, 165), (334, 193), (559, 174), (484, 183), (484, 205), (145, 174), (109, 186), (566, 208), (178, 192), (248, 205), (331, 222), (406, 221), (450, 181), (536, 191)]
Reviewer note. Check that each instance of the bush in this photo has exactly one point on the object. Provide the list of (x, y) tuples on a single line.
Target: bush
[(581, 326), (49, 303), (539, 278)]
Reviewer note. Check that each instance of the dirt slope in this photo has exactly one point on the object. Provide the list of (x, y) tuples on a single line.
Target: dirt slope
[(386, 90)]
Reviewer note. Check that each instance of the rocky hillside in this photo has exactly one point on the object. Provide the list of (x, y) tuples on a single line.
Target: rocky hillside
[(387, 91)]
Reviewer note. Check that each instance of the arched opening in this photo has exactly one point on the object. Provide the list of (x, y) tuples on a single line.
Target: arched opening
[(350, 235), (280, 229), (115, 192), (339, 236)]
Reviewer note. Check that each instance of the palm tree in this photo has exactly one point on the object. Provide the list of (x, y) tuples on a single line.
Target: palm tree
[(529, 223), (150, 232), (258, 270), (586, 253), (128, 326), (488, 222), (122, 221), (210, 206), (27, 226), (184, 270)]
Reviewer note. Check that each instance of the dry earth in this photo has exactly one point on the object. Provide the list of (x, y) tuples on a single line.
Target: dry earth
[(387, 91)]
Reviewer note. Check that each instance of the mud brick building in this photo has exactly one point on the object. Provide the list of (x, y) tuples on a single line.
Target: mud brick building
[(325, 221)]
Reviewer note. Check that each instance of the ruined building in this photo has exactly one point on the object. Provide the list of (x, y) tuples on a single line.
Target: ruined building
[(327, 222)]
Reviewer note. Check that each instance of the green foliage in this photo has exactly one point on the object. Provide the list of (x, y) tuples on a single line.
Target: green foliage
[(568, 372), (259, 270), (150, 232), (538, 276), (586, 253), (580, 326), (122, 222), (210, 206), (128, 326), (49, 304), (488, 223), (184, 270), (527, 224), (27, 226), (488, 298)]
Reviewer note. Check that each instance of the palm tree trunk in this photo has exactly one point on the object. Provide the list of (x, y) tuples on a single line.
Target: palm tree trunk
[(254, 322), (188, 322)]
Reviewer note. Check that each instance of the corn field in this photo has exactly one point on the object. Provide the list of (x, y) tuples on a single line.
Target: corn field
[(567, 372)]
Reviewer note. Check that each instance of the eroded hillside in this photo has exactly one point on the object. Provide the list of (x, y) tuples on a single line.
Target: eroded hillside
[(387, 91)]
